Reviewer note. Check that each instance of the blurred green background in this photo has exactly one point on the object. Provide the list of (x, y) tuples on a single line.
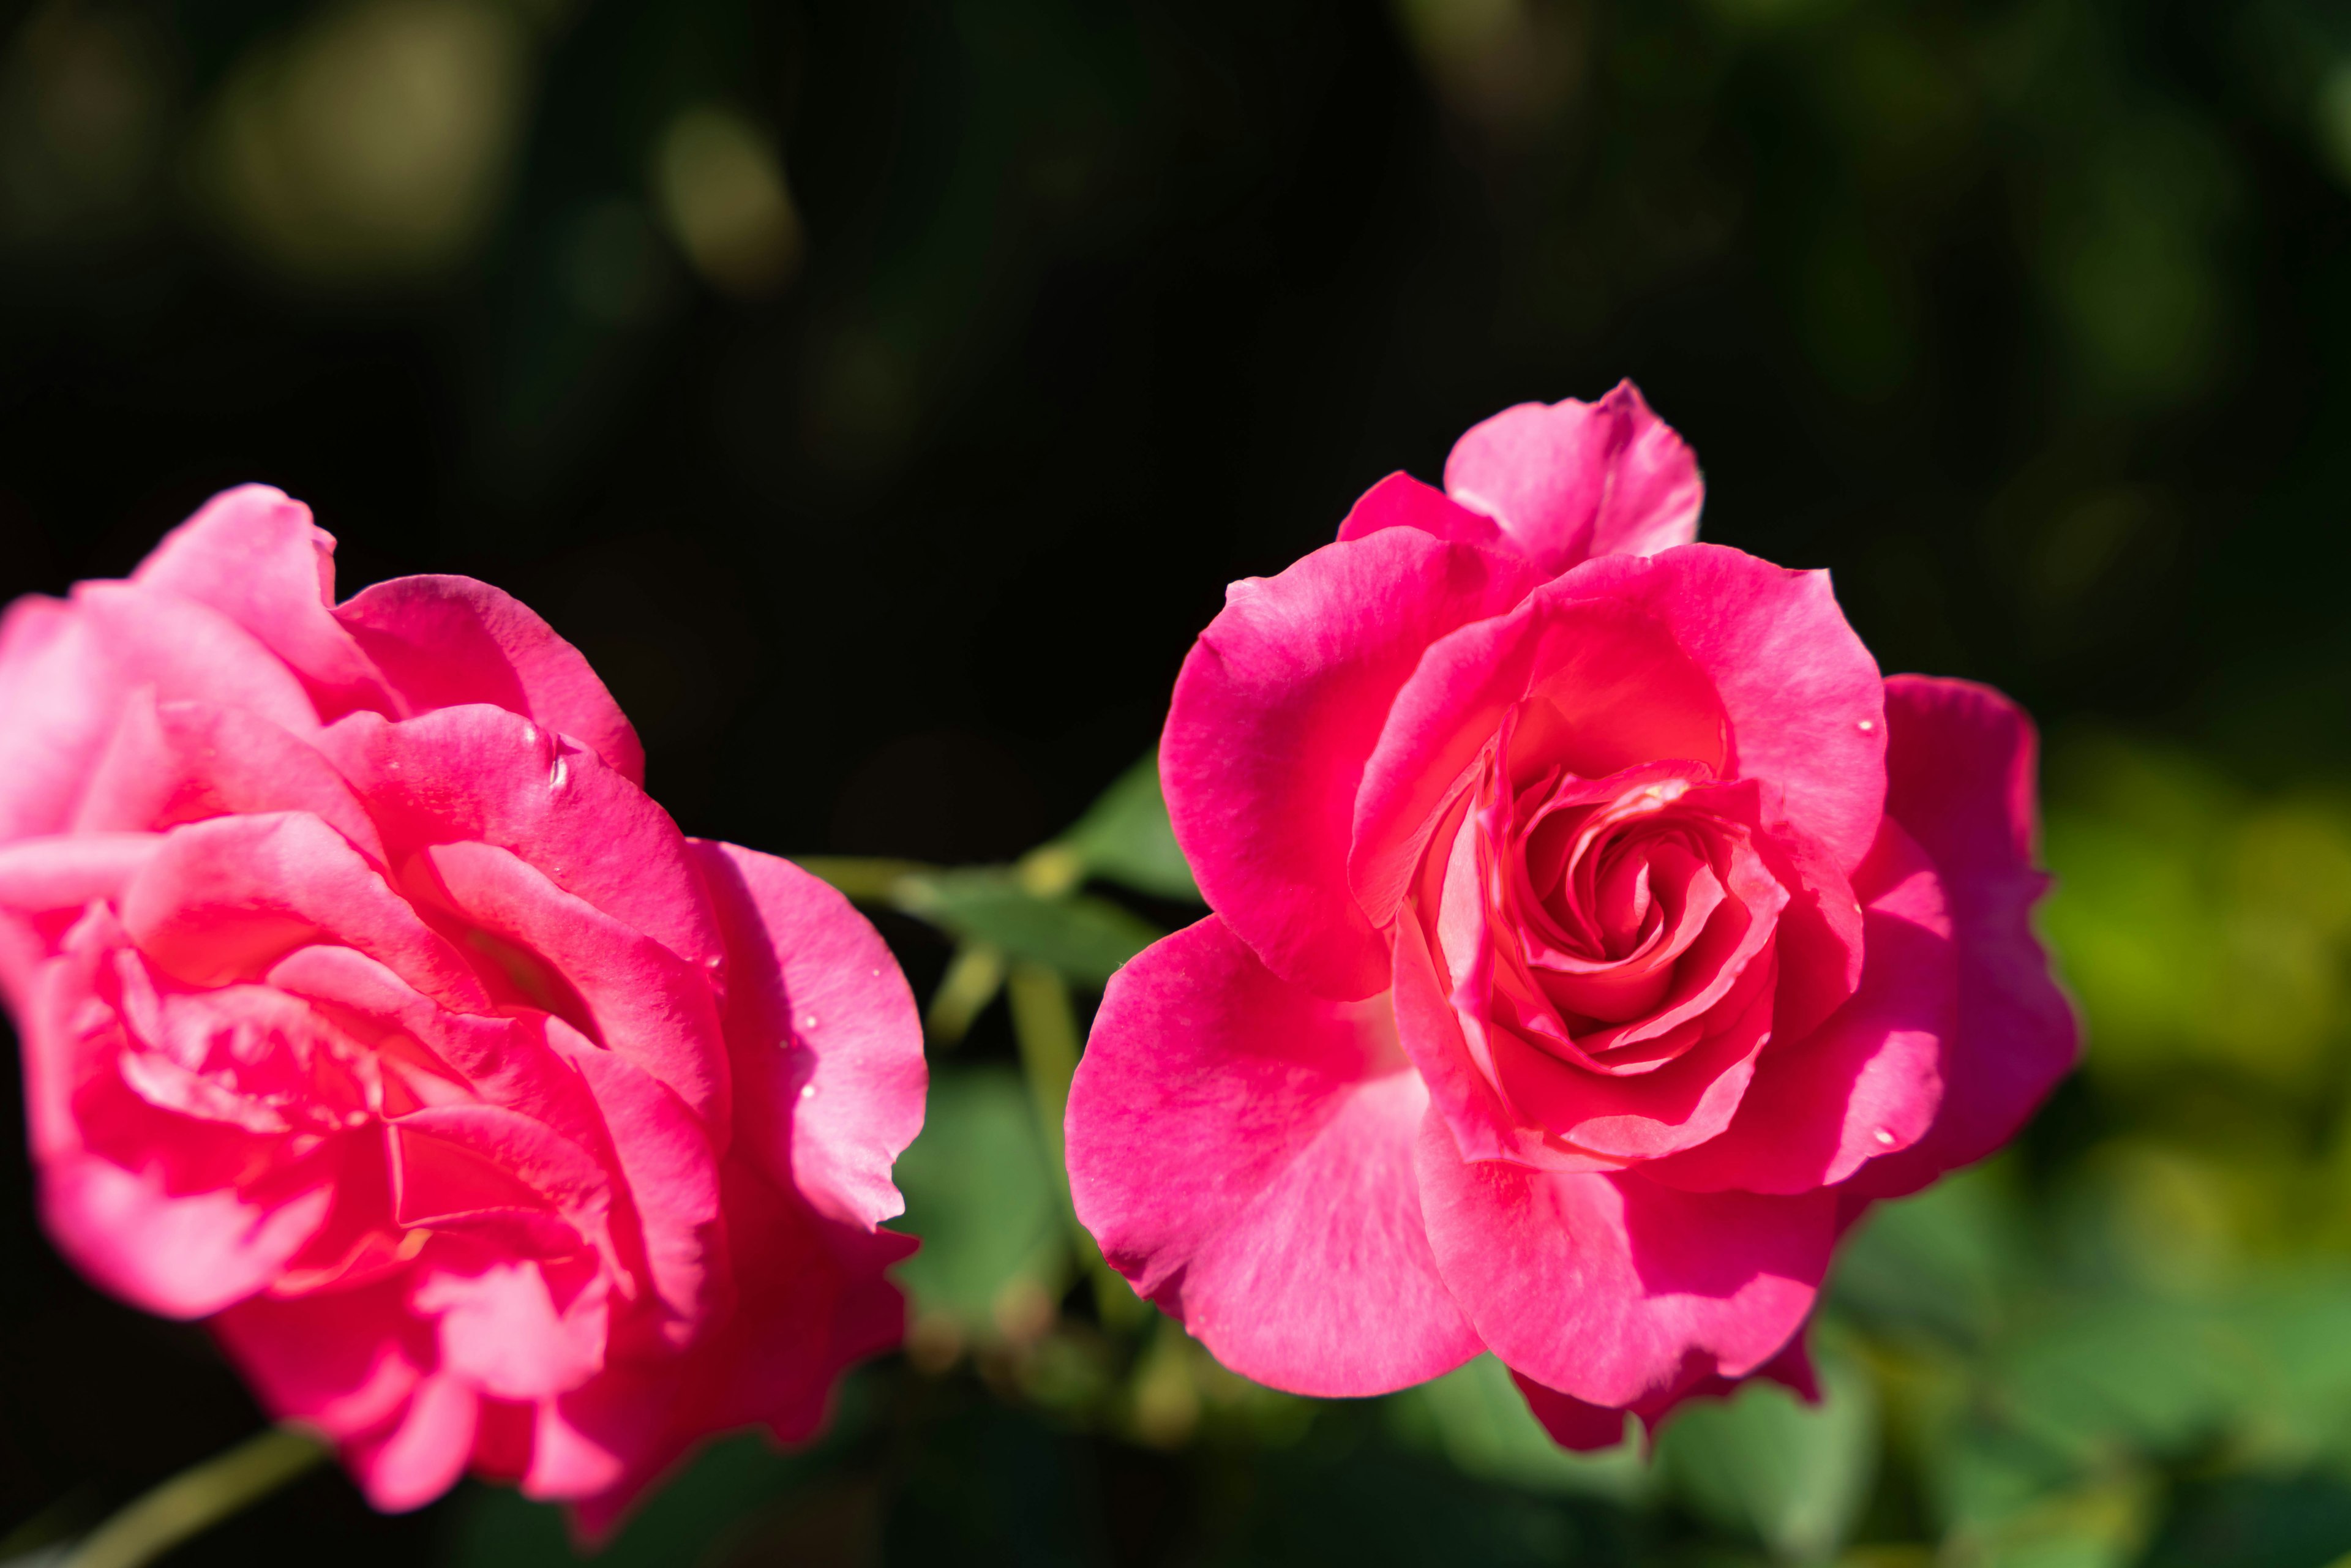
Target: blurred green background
[(882, 393)]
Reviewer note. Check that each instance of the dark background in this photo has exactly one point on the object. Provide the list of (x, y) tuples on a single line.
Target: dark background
[(888, 497)]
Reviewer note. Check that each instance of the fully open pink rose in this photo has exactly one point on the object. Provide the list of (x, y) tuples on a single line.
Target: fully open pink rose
[(1596, 933), (372, 1012)]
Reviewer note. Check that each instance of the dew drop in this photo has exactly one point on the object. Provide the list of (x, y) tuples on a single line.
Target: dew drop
[(808, 1023), (1868, 724), (1882, 1136), (808, 1091)]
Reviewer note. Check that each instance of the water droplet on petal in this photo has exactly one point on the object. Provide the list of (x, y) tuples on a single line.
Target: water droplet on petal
[(1868, 724), (1882, 1136), (808, 1023), (808, 1091)]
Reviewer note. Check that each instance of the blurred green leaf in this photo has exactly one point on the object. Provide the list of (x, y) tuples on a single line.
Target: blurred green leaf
[(1764, 1463), (1124, 837), (1939, 1263), (1085, 938), (1477, 1418), (981, 1194)]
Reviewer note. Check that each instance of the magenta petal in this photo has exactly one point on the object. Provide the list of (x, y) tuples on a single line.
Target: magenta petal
[(1573, 1424), (1960, 779), (1401, 501), (670, 1178), (222, 900), (826, 1044), (1242, 1150), (640, 998), (1573, 480), (421, 1453), (1278, 706), (1605, 1285), (253, 555), (342, 1364), (442, 642), (481, 774), (67, 669), (181, 1255), (184, 762), (1804, 701), (1868, 1082)]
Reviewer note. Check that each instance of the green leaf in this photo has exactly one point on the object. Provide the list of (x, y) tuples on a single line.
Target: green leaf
[(1085, 938), (1763, 1463), (1940, 1264), (983, 1198), (1124, 837), (1477, 1418)]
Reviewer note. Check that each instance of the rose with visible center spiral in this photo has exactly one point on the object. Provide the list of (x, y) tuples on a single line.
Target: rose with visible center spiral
[(1596, 933)]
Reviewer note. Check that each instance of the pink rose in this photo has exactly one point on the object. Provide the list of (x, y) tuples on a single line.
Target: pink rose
[(1596, 935), (372, 1012)]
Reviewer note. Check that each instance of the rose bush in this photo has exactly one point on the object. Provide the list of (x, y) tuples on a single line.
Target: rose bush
[(372, 1011), (1596, 935)]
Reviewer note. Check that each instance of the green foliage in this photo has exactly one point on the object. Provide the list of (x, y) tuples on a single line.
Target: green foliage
[(982, 1195), (1124, 837)]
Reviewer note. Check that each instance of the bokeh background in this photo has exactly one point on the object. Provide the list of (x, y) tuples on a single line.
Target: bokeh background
[(882, 393)]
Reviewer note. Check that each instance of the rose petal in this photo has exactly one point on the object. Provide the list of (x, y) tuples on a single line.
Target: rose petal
[(1401, 501), (1598, 687), (342, 1364), (253, 555), (1603, 1285), (223, 899), (1573, 480), (1278, 708), (1242, 1150), (640, 998), (185, 762), (443, 642), (421, 1453), (1868, 1081), (1803, 697), (1960, 770), (67, 669), (821, 1030), (480, 774)]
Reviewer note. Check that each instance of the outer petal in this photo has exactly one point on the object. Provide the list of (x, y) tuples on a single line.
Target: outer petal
[(1278, 706), (1604, 1285), (1242, 1150), (826, 1044), (181, 1255), (1960, 779), (342, 1364), (1573, 1424), (445, 641), (420, 1454), (1401, 501), (1868, 1081), (1804, 700), (1573, 480), (253, 555), (66, 670), (480, 774)]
